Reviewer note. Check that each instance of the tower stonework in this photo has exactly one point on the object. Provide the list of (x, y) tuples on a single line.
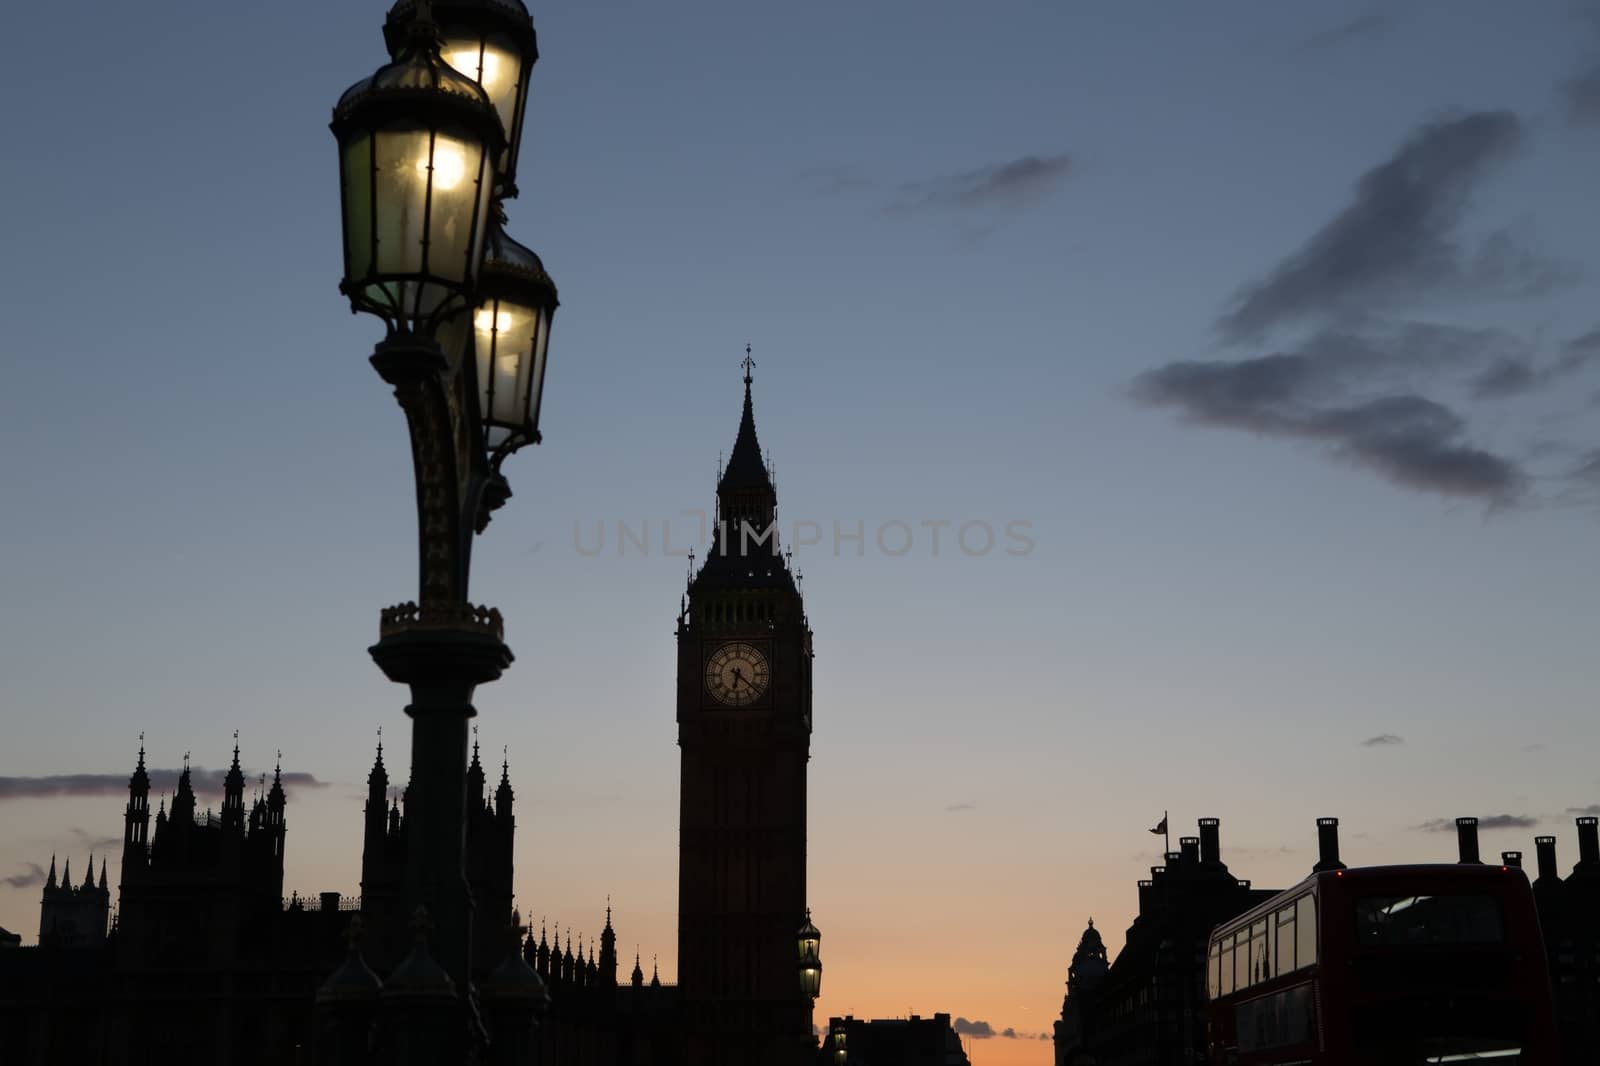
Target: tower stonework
[(744, 732)]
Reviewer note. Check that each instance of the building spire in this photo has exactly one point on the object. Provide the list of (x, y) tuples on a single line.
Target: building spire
[(51, 881)]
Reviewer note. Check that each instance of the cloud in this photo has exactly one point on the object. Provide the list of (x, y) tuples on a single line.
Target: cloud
[(1312, 393), (204, 781), (1008, 1033), (963, 806), (1592, 809), (1493, 821), (1012, 185), (976, 1030), (1397, 238), (86, 839), (1382, 740), (34, 876), (1582, 98), (1362, 27)]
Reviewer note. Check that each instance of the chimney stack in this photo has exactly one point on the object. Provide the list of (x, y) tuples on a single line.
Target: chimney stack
[(1327, 845), (1512, 859), (1210, 842), (1546, 847), (1467, 839), (1589, 842), (1190, 849)]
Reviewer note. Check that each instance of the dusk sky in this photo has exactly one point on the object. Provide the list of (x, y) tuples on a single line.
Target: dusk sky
[(1270, 331)]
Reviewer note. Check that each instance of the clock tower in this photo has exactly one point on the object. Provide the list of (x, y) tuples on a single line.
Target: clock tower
[(744, 730)]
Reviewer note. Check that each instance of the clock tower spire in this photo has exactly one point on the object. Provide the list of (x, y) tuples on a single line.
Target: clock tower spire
[(744, 734)]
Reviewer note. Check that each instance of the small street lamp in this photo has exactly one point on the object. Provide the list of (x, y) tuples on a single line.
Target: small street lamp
[(810, 944), (427, 152)]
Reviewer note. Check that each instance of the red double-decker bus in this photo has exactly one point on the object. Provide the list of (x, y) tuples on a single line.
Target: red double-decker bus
[(1384, 966)]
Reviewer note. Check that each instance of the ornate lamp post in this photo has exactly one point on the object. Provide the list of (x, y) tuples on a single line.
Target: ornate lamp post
[(426, 148)]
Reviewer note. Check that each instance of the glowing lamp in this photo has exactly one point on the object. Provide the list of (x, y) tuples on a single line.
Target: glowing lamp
[(417, 144), (809, 941), (508, 336), (493, 43)]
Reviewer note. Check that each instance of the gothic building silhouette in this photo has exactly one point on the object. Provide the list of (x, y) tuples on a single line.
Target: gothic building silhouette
[(206, 962)]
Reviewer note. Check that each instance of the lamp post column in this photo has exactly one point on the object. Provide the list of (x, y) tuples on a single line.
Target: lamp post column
[(442, 660)]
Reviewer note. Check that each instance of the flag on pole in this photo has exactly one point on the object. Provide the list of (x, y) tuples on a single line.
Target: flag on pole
[(1161, 827)]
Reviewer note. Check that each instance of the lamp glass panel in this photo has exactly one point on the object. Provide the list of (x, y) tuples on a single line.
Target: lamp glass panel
[(541, 349), (493, 64), (504, 335), (430, 193), (356, 173)]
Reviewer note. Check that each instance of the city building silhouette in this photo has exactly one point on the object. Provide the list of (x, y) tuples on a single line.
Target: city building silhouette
[(911, 1041), (1147, 1008), (207, 962)]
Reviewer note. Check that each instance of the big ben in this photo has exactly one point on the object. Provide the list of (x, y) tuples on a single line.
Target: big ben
[(744, 731)]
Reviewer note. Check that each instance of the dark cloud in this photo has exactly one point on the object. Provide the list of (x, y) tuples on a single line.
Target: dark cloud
[(1397, 238), (33, 876), (964, 806), (204, 781), (1382, 740), (1009, 1033), (1504, 377), (1310, 394), (1493, 821), (1362, 27), (976, 1030), (1592, 809), (1015, 184), (1582, 97)]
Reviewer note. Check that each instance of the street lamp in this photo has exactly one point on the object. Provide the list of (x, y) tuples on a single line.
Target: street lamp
[(810, 944), (493, 43), (509, 332), (425, 152), (417, 144)]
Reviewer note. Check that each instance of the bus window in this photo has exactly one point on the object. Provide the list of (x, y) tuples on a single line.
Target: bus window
[(1283, 957), (1241, 960), (1259, 970), (1214, 971), (1225, 974), (1305, 930), (1402, 921)]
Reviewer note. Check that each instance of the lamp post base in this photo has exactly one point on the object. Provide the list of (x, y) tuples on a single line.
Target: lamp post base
[(443, 657)]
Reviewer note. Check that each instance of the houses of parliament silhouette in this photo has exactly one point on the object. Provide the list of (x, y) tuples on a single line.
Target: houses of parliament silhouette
[(206, 962)]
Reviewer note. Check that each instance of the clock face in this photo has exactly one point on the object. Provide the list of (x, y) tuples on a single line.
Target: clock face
[(737, 674)]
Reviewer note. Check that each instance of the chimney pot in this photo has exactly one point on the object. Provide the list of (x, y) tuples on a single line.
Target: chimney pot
[(1546, 848), (1190, 848), (1210, 842), (1511, 858), (1467, 839), (1327, 845), (1589, 842)]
